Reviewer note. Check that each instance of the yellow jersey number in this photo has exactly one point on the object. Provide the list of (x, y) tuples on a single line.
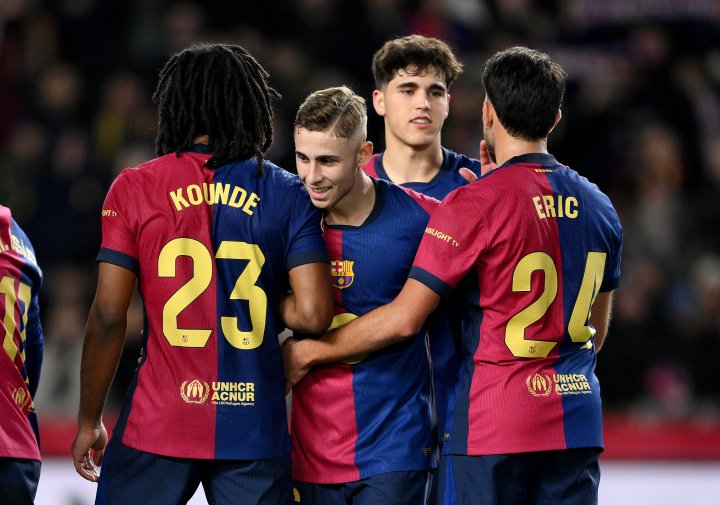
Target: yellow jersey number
[(244, 289), (578, 328), (12, 296)]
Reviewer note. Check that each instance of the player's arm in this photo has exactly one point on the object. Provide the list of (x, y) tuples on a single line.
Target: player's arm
[(398, 320), (104, 339), (600, 316), (309, 307)]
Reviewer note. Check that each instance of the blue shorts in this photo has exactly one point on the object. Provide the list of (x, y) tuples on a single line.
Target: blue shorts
[(567, 477), (392, 488), (19, 480), (131, 476)]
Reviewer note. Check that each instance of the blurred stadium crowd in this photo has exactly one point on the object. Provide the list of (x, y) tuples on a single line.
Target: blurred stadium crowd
[(641, 119)]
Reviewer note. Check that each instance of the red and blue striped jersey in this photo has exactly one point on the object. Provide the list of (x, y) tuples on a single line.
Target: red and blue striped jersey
[(21, 331), (530, 244), (373, 414), (212, 250), (443, 324)]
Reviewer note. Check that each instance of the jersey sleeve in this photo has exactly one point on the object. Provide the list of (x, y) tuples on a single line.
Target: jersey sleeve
[(428, 203), (306, 244), (34, 341), (452, 242), (119, 239)]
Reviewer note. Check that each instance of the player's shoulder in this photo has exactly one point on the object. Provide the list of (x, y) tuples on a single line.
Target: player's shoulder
[(16, 238), (453, 161), (5, 217), (582, 183), (281, 176), (146, 169), (407, 195)]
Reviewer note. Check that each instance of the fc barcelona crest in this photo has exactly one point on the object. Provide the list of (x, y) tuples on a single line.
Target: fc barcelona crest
[(342, 273)]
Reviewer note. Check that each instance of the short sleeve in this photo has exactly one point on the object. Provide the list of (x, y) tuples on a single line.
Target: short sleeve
[(451, 245), (306, 242), (119, 238)]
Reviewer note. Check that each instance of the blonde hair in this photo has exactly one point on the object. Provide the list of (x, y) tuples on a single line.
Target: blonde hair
[(337, 110)]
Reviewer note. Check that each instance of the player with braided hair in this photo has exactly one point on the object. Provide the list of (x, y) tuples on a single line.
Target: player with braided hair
[(233, 75), (226, 250)]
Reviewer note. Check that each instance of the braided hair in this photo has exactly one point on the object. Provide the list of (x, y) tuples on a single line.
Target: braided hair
[(218, 90)]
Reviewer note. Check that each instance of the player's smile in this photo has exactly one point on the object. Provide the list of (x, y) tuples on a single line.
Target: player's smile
[(318, 193)]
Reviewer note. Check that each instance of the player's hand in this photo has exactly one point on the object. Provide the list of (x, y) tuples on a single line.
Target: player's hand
[(295, 368), (487, 164), (88, 449), (468, 174)]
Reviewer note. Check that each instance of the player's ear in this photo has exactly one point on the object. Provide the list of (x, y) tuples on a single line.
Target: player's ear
[(558, 117), (488, 114), (447, 110), (364, 153), (379, 102)]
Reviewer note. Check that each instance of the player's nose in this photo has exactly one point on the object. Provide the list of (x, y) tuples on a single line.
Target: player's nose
[(314, 173)]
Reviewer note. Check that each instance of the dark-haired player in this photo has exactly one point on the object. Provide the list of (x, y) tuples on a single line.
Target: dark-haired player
[(215, 236), (20, 362), (413, 76)]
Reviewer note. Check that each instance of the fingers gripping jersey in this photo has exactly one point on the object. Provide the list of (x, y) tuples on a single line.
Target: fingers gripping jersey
[(212, 250), (21, 331), (535, 243), (373, 414)]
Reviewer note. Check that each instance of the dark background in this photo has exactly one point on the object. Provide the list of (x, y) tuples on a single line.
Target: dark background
[(641, 119)]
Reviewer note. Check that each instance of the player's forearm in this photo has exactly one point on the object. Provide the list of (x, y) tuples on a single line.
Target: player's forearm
[(371, 332), (104, 339), (304, 317), (600, 317), (386, 325)]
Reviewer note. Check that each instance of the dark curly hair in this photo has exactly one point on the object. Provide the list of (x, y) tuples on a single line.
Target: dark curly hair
[(218, 90)]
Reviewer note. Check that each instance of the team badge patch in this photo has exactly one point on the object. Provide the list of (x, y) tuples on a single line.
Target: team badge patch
[(21, 398), (342, 273), (539, 384), (194, 392)]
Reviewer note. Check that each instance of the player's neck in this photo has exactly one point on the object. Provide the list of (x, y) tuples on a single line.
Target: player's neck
[(355, 207), (404, 163), (508, 147)]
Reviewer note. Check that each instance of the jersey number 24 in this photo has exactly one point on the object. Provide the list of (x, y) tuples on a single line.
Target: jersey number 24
[(578, 328)]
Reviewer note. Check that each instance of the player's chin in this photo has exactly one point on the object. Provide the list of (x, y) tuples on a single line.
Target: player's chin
[(422, 139), (321, 202)]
